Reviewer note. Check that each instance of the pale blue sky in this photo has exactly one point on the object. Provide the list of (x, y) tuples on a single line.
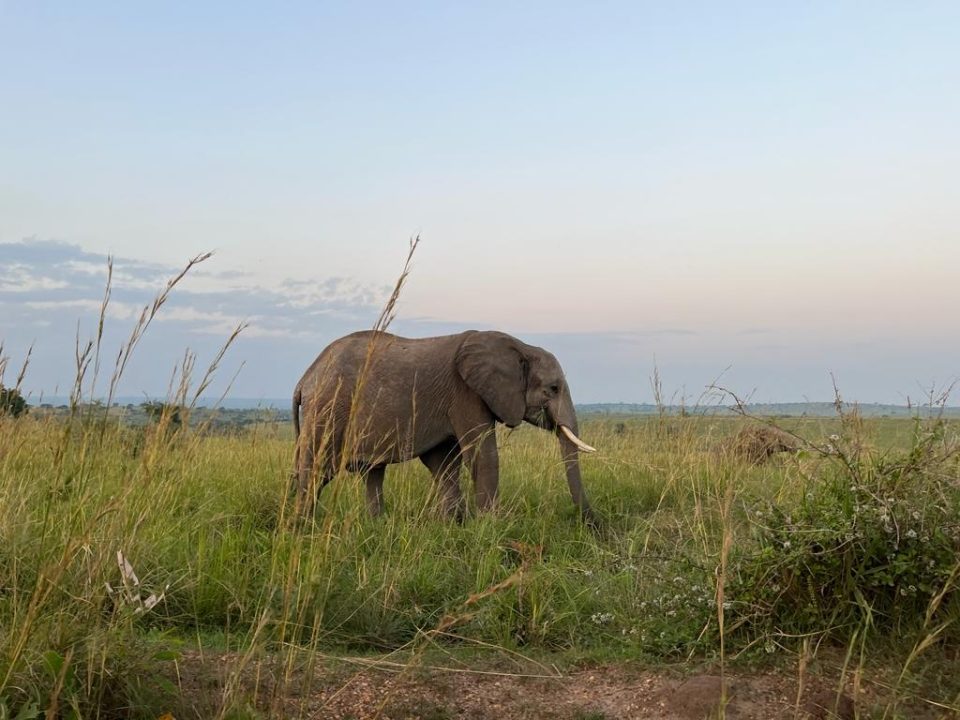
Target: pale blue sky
[(773, 187)]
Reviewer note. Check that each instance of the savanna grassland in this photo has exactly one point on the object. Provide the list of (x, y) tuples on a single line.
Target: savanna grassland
[(834, 566), (160, 570)]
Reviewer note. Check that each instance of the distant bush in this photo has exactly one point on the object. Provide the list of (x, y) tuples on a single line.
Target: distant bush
[(163, 412), (12, 402)]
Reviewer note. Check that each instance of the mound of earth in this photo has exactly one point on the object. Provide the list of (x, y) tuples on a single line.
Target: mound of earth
[(757, 444)]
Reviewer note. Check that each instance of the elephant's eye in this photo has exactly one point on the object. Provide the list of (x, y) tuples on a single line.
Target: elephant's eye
[(554, 389)]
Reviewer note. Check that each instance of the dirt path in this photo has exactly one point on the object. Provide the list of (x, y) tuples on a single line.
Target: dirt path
[(595, 694), (600, 693)]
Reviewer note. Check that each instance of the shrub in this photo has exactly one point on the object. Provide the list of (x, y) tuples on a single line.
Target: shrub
[(12, 402), (161, 413), (876, 541)]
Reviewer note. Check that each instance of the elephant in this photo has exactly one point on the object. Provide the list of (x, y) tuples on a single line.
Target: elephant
[(371, 399)]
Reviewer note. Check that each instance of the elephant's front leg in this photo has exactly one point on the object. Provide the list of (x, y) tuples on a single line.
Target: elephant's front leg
[(374, 480), (481, 451)]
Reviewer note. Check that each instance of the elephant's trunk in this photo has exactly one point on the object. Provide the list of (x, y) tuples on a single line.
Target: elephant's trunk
[(571, 461), (570, 447)]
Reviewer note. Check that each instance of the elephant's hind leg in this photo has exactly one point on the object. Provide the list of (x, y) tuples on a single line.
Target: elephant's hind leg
[(374, 479), (444, 462), (304, 476), (310, 478)]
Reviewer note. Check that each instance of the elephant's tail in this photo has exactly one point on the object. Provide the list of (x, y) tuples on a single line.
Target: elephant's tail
[(297, 397), (295, 475)]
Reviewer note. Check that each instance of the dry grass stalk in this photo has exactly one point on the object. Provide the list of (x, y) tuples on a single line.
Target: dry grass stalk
[(147, 315), (352, 432)]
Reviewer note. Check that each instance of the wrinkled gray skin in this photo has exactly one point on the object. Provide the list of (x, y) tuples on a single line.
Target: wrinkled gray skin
[(437, 399)]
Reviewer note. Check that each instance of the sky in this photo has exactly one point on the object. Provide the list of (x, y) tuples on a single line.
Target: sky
[(750, 193)]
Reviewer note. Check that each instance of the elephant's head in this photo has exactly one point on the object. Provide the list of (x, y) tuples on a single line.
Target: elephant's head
[(521, 382)]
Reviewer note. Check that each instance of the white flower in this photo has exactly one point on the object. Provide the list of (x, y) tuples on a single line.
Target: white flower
[(912, 534)]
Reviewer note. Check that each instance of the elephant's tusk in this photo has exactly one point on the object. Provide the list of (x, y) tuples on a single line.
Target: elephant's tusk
[(575, 440)]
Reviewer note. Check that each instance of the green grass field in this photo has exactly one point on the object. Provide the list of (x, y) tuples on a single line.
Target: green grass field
[(853, 553)]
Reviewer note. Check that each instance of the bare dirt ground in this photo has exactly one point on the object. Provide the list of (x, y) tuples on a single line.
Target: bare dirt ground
[(599, 693)]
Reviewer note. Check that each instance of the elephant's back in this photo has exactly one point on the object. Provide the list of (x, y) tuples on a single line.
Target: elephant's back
[(340, 363), (337, 364), (393, 358)]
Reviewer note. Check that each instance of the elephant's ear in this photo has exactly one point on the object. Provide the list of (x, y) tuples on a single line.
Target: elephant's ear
[(491, 366)]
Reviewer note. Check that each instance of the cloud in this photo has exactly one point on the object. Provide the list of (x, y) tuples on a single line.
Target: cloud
[(18, 278), (48, 276), (52, 270), (115, 310), (86, 267), (51, 293)]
